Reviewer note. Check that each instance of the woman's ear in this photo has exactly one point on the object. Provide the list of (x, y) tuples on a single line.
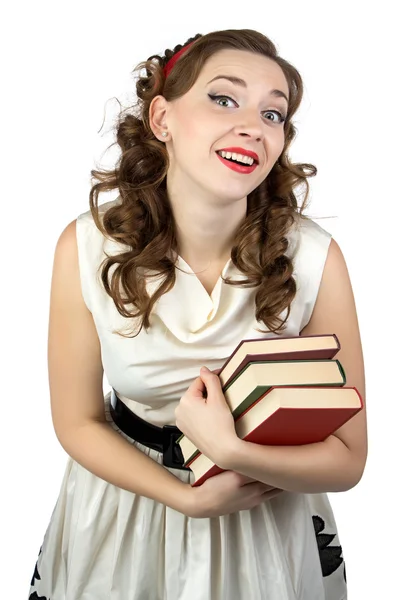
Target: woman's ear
[(158, 117)]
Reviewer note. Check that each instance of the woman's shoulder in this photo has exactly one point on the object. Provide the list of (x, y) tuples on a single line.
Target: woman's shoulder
[(306, 236), (90, 237), (86, 218)]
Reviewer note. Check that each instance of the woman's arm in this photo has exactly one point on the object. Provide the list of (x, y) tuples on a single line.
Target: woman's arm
[(76, 392), (336, 464)]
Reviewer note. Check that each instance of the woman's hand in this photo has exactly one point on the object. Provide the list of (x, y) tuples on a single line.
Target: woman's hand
[(207, 421), (227, 493)]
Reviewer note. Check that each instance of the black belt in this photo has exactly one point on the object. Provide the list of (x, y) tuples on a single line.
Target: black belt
[(162, 439)]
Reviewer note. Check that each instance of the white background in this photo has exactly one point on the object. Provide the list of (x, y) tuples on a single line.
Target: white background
[(61, 65)]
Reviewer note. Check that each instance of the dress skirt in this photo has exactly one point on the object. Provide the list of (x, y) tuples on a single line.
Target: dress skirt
[(105, 543)]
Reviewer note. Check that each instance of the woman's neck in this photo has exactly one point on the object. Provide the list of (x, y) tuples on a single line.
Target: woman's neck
[(205, 228)]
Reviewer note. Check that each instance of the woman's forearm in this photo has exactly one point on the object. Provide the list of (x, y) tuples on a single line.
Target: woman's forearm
[(327, 466), (104, 452)]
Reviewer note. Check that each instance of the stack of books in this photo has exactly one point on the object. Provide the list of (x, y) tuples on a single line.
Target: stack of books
[(281, 391)]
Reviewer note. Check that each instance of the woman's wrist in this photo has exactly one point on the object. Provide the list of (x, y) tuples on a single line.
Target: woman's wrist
[(188, 500)]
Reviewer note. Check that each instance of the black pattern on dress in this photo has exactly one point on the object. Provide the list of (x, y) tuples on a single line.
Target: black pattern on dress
[(36, 572), (330, 556), (36, 575)]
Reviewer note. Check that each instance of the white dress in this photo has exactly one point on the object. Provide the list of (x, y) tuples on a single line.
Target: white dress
[(106, 543)]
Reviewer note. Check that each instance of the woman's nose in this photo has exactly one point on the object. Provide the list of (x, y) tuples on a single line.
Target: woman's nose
[(250, 126)]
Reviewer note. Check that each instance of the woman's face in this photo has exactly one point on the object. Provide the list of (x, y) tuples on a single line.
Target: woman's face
[(231, 105)]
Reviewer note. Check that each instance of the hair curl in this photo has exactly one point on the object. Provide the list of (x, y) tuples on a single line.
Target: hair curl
[(143, 220)]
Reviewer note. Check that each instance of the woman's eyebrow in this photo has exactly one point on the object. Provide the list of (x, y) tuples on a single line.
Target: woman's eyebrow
[(242, 83)]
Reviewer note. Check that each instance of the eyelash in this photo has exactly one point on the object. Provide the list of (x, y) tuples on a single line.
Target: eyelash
[(282, 118)]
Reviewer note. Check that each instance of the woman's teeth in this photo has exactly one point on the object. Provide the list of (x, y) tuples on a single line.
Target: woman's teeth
[(246, 160)]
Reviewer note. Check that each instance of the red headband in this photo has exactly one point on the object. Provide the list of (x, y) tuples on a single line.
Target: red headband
[(170, 64)]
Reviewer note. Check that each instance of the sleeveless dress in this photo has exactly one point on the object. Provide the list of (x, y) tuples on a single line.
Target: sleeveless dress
[(104, 542)]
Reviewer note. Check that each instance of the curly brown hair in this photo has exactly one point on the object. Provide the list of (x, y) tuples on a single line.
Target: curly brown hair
[(143, 221)]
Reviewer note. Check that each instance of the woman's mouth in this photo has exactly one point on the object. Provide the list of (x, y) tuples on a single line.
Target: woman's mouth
[(237, 162)]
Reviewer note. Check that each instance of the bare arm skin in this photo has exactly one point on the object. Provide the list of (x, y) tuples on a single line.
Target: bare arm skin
[(76, 392)]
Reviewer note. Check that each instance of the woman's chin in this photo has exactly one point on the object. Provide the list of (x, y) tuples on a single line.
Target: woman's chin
[(232, 194)]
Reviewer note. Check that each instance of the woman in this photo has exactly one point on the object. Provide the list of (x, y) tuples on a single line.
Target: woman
[(204, 246)]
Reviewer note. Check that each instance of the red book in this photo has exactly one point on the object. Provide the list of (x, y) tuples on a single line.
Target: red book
[(288, 416), (307, 347)]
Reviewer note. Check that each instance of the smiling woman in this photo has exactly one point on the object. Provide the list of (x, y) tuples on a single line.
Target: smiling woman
[(204, 245), (231, 100)]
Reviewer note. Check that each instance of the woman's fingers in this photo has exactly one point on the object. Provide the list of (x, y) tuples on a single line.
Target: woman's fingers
[(211, 381), (196, 388)]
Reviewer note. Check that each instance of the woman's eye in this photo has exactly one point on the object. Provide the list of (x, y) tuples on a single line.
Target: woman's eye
[(222, 100), (225, 100), (281, 118)]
